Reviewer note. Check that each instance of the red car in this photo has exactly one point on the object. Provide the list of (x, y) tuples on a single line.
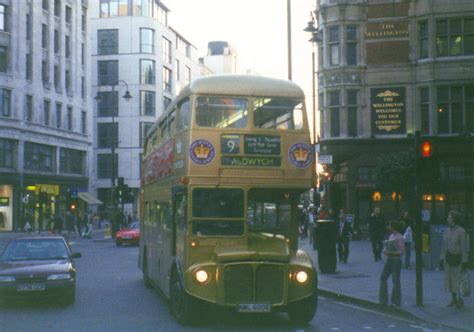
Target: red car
[(129, 234)]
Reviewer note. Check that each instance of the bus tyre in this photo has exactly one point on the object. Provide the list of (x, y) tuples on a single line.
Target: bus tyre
[(303, 311), (181, 303)]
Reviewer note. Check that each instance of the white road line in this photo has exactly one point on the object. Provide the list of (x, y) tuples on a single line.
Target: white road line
[(368, 328), (391, 326), (335, 329)]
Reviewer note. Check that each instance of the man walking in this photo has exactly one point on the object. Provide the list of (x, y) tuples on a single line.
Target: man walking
[(377, 230), (343, 237)]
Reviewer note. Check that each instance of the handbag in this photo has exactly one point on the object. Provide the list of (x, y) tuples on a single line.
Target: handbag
[(453, 259), (465, 283)]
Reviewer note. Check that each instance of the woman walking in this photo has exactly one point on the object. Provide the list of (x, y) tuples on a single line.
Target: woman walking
[(454, 258)]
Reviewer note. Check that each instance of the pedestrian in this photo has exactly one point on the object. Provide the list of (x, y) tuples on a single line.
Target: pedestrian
[(27, 227), (310, 224), (377, 230), (343, 237), (393, 249), (71, 224), (58, 224), (129, 219), (89, 225), (408, 226), (454, 258)]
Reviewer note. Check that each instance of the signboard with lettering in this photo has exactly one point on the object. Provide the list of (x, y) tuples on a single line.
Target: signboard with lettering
[(388, 110), (387, 29), (262, 145), (4, 201), (251, 161)]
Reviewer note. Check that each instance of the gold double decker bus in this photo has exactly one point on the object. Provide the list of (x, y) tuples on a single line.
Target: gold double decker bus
[(222, 173)]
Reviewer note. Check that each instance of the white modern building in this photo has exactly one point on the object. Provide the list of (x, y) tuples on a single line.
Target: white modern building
[(133, 49), (45, 115), (221, 58)]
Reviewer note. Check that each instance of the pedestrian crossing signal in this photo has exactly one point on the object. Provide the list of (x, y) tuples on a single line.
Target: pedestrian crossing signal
[(426, 149)]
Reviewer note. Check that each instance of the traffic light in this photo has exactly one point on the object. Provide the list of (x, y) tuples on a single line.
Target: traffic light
[(426, 149), (123, 193)]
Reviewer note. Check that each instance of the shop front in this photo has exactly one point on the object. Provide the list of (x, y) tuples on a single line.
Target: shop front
[(6, 207)]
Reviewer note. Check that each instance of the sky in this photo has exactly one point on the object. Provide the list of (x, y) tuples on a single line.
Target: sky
[(256, 29)]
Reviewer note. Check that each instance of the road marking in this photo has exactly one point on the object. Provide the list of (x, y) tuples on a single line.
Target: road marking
[(335, 329), (391, 326), (368, 328)]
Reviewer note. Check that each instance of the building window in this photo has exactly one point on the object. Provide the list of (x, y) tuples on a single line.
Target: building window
[(67, 78), (425, 110), (334, 105), (68, 47), (6, 153), (58, 115), (84, 20), (321, 113), (69, 118), (45, 73), (46, 112), (147, 103), (107, 72), (3, 59), (29, 67), (147, 72), (166, 80), (72, 161), (3, 18), (111, 8), (176, 70), (147, 38), (352, 107), (6, 103), (187, 75), (107, 42), (144, 127), (84, 122), (45, 5), (166, 102), (455, 109), (166, 51), (28, 108), (334, 46), (161, 15), (107, 135), (144, 8), (56, 41), (365, 174), (28, 27), (44, 36), (455, 37), (106, 105), (39, 157), (57, 8), (351, 45), (68, 15), (57, 78), (104, 165), (423, 31), (83, 87)]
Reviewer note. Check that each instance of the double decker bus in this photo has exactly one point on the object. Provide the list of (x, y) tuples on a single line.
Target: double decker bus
[(222, 173)]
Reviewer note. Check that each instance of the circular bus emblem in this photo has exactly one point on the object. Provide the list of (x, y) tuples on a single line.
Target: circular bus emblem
[(201, 152), (300, 155)]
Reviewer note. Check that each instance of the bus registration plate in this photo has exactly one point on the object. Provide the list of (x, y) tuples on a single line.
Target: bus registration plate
[(254, 307)]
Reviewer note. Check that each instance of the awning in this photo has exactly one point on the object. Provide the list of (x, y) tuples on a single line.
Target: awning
[(89, 199)]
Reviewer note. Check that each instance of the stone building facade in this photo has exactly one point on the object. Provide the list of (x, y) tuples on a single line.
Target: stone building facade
[(45, 115), (387, 70)]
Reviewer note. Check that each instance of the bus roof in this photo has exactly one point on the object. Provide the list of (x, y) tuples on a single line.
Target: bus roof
[(243, 85)]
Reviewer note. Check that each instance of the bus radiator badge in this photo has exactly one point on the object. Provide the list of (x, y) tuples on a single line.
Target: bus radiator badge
[(201, 152), (300, 155)]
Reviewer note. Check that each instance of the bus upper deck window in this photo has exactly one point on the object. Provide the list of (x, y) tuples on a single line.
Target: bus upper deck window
[(183, 116), (221, 112), (278, 113)]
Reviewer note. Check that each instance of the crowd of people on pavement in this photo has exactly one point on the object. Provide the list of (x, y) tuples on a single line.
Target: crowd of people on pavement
[(394, 240)]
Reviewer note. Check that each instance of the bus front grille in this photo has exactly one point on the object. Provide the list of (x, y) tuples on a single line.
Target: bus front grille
[(248, 283)]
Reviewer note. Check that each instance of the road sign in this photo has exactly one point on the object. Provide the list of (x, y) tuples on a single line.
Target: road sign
[(325, 159)]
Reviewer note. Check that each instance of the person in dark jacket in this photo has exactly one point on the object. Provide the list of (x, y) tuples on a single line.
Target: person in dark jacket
[(377, 230), (344, 233)]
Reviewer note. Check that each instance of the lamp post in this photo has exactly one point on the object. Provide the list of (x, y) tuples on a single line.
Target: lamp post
[(315, 38), (127, 96)]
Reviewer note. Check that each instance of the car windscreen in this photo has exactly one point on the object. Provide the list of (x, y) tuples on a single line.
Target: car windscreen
[(35, 249)]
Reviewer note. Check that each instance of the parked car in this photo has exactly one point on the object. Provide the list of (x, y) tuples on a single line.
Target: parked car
[(38, 267), (129, 234)]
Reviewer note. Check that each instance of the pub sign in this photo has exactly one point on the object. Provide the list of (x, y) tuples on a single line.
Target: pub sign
[(388, 108)]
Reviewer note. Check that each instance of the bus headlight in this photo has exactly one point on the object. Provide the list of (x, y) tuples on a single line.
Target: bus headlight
[(301, 277), (201, 276)]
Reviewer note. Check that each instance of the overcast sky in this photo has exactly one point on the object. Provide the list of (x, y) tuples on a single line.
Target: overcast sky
[(256, 29)]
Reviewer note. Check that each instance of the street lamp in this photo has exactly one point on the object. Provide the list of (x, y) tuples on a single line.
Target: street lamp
[(127, 96), (315, 38)]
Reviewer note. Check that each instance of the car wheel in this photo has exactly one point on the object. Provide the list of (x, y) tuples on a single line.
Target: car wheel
[(181, 303), (303, 311), (118, 243), (70, 297)]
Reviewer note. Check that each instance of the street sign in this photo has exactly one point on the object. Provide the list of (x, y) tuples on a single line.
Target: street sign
[(325, 159)]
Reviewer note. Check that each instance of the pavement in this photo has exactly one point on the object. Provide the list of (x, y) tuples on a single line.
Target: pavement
[(358, 280)]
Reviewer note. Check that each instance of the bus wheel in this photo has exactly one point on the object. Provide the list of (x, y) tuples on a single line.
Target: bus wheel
[(181, 303), (303, 311)]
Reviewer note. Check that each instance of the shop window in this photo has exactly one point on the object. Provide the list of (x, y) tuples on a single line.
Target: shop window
[(72, 161)]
